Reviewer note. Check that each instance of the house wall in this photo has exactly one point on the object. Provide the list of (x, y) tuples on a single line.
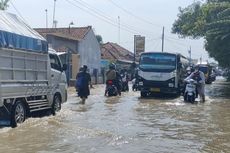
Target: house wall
[(90, 54), (60, 42)]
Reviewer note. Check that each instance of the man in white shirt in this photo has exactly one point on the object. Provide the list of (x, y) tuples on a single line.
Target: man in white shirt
[(198, 76)]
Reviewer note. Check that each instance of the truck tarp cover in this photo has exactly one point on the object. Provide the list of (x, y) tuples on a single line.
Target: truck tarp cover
[(16, 34)]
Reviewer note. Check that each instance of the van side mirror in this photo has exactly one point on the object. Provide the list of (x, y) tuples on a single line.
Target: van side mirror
[(64, 67)]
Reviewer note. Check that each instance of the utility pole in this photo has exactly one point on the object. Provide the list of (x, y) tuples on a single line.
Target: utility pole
[(46, 18), (119, 30), (190, 56), (201, 59), (54, 22), (163, 37), (134, 59)]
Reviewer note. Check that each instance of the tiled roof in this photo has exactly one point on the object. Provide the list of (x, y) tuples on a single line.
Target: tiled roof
[(74, 33), (113, 51)]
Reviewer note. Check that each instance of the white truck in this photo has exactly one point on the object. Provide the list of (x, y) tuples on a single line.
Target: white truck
[(32, 77)]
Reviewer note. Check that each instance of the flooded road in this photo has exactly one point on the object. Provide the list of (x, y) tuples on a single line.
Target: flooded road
[(127, 124)]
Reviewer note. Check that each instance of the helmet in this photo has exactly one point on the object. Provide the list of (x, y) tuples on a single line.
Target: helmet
[(196, 67), (83, 68), (112, 66)]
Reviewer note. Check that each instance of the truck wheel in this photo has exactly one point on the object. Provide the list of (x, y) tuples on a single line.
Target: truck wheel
[(143, 94), (186, 97), (18, 114), (56, 104), (193, 98)]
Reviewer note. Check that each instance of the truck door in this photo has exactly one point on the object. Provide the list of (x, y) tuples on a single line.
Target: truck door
[(58, 77)]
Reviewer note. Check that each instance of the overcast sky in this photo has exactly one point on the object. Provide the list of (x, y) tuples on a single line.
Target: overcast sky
[(142, 17)]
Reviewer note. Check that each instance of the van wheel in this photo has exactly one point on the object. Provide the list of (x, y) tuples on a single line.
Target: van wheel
[(18, 114), (56, 104)]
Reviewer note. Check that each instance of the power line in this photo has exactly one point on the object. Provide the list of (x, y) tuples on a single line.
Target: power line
[(19, 14), (103, 18), (132, 14), (109, 18)]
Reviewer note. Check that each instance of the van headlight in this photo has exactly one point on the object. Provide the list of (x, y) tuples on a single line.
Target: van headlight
[(171, 85), (141, 83)]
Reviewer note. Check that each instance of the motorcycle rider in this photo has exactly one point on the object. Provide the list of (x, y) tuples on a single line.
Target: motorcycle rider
[(125, 80), (110, 75), (118, 82), (198, 76)]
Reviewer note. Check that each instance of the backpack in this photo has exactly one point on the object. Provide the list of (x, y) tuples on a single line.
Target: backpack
[(80, 81)]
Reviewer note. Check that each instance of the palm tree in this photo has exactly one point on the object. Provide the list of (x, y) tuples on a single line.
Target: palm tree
[(4, 4)]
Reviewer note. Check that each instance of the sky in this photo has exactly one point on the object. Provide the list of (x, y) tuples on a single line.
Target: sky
[(146, 18)]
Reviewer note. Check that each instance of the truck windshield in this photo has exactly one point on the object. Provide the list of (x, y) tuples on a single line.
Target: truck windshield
[(204, 69), (158, 61)]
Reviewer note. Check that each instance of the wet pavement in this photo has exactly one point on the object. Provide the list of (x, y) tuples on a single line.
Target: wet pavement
[(127, 124)]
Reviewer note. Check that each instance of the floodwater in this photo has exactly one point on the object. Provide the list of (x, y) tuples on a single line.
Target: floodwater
[(127, 124)]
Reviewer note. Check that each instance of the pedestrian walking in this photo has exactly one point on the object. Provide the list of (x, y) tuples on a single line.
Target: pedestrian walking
[(83, 81)]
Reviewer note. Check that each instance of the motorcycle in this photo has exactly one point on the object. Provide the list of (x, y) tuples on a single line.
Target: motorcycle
[(190, 91), (124, 82), (111, 89)]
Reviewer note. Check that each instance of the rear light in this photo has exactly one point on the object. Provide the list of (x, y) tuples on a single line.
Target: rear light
[(110, 82)]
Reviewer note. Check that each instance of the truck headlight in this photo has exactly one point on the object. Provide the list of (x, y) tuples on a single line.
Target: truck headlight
[(141, 83), (171, 85)]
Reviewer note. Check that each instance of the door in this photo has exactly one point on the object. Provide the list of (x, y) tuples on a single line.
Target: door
[(58, 77)]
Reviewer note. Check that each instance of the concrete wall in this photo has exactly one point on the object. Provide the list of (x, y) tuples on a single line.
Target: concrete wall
[(90, 53), (75, 65), (60, 42)]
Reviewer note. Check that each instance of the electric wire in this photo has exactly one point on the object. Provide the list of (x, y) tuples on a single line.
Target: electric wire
[(111, 19), (133, 15), (99, 17)]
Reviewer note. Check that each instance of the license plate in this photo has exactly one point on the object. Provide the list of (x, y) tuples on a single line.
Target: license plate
[(155, 89)]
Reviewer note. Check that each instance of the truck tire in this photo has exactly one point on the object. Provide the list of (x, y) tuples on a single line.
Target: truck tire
[(143, 94), (56, 106), (18, 115)]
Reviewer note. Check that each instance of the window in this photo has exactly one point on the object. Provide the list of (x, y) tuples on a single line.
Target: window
[(55, 62)]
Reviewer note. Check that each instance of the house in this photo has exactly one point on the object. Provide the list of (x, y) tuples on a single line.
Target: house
[(113, 52), (79, 44), (124, 59)]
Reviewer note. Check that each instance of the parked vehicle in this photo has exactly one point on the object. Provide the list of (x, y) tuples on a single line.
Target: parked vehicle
[(111, 89), (190, 91), (208, 72), (31, 77), (161, 73)]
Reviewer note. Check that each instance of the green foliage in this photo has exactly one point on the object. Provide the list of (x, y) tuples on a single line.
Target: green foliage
[(4, 4), (99, 39), (210, 20)]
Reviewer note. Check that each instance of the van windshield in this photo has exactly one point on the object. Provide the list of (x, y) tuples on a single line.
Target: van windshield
[(158, 61)]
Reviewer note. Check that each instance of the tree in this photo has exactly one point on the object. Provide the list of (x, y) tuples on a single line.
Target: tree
[(99, 39), (210, 20), (4, 4)]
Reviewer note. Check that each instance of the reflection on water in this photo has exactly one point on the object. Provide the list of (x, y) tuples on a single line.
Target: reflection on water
[(128, 124)]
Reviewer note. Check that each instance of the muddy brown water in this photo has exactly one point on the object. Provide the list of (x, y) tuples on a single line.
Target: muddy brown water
[(127, 124)]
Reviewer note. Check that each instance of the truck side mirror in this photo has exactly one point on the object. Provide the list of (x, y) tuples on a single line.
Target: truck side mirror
[(64, 67), (179, 65)]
